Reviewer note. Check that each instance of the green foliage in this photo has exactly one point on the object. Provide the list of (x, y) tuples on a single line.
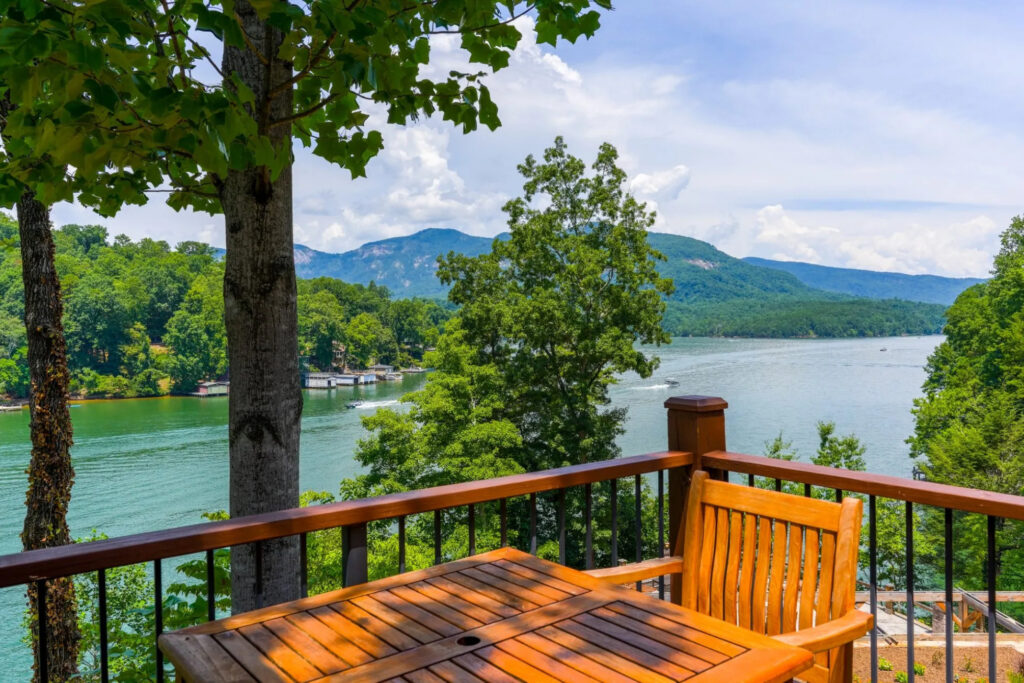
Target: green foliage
[(918, 669), (547, 319), (801, 315), (884, 664), (844, 452), (112, 96), (138, 314), (559, 306), (969, 426), (901, 677)]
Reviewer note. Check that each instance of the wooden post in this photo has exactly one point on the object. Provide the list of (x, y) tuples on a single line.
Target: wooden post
[(695, 424)]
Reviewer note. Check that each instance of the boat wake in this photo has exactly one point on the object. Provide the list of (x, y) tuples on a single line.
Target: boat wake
[(651, 387), (370, 405)]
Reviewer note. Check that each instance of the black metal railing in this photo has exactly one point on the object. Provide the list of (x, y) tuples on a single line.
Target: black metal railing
[(39, 567)]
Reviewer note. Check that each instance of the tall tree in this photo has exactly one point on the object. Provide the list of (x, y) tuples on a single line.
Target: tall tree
[(50, 473), (559, 306), (126, 102), (969, 425)]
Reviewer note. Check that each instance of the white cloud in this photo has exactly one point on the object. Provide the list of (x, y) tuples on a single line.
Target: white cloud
[(669, 183), (959, 249), (891, 137)]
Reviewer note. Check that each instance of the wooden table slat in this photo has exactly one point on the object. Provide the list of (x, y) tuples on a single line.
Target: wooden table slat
[(658, 649), (462, 621), (509, 577), (423, 676), (540, 577), (290, 661), (453, 673), (572, 658), (697, 657), (407, 625), (344, 650), (455, 602), (249, 657), (399, 640), (413, 611), (611, 660), (500, 616), (682, 629), (563, 672), (475, 597), (639, 655), (204, 654), (514, 666), (505, 597), (484, 670)]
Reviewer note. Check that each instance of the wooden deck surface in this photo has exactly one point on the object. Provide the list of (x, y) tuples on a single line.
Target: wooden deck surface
[(500, 616)]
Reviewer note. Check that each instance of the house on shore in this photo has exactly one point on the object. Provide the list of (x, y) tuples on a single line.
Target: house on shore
[(207, 389)]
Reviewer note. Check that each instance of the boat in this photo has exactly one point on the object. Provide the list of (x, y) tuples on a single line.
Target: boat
[(672, 382), (883, 349), (353, 404)]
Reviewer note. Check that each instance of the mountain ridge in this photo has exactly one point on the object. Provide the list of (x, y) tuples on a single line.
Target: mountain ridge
[(872, 284)]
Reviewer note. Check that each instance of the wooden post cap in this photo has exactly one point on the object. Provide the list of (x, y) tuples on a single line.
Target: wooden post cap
[(696, 404)]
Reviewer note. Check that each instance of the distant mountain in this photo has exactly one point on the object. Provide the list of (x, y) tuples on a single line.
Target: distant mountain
[(871, 284), (703, 273), (405, 265), (716, 294)]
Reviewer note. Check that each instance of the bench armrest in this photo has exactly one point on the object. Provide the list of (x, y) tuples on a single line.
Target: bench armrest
[(841, 631), (638, 571)]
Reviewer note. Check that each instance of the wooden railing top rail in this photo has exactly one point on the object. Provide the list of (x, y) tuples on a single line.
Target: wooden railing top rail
[(881, 485), (20, 568)]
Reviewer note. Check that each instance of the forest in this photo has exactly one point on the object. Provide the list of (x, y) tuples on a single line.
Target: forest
[(145, 319)]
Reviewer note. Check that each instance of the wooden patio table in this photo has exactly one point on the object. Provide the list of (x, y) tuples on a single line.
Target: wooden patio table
[(499, 616)]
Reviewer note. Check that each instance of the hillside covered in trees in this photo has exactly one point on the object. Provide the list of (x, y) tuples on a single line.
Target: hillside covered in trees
[(715, 294), (144, 319)]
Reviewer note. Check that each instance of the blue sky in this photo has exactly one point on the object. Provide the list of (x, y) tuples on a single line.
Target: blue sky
[(884, 136)]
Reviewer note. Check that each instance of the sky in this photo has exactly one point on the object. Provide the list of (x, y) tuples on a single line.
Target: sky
[(875, 135)]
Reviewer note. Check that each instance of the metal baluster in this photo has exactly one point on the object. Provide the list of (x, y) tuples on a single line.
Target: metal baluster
[(949, 594), (807, 490), (750, 480), (43, 663), (991, 579), (661, 529), (839, 495), (303, 565), (158, 613), (873, 578), (778, 484), (503, 513), (104, 646), (211, 588), (472, 529), (615, 521), (638, 511), (533, 523), (910, 590), (561, 526), (588, 494), (401, 544), (437, 537)]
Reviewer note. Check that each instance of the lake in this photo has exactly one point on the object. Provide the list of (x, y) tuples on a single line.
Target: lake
[(148, 464)]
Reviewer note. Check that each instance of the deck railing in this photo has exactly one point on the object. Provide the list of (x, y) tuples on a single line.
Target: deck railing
[(696, 439)]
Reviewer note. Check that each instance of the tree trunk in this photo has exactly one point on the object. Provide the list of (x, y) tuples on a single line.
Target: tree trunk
[(262, 329), (50, 474)]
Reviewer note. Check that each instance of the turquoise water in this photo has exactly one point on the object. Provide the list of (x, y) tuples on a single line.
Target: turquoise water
[(153, 463)]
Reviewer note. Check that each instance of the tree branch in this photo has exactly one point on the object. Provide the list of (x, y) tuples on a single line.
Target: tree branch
[(310, 65), (303, 114)]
